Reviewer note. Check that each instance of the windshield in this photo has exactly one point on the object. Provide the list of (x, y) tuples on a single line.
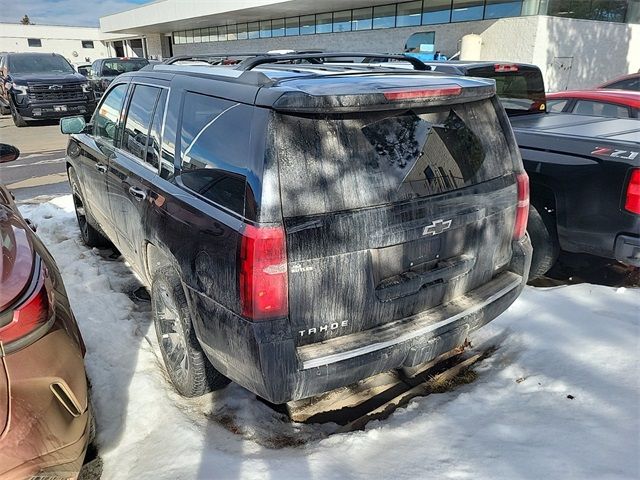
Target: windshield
[(41, 63), (521, 91), (116, 66)]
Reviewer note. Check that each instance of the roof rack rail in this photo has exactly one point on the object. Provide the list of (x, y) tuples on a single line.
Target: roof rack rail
[(318, 58), (208, 56)]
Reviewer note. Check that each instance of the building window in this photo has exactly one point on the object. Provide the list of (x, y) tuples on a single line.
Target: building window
[(277, 27), (232, 33), (197, 37), (362, 19), (409, 14), (502, 8), (292, 26), (242, 31), (34, 42), (222, 33), (420, 42), (467, 10), (87, 43), (308, 25), (436, 11), (254, 30), (324, 23), (342, 21), (384, 16), (265, 29)]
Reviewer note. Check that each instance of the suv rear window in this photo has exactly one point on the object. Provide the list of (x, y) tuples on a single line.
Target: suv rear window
[(344, 162)]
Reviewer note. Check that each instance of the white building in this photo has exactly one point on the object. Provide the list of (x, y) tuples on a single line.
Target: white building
[(76, 44), (576, 43)]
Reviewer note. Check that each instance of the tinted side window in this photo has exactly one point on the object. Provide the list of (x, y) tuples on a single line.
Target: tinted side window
[(106, 118), (600, 109), (215, 142), (556, 106), (135, 137)]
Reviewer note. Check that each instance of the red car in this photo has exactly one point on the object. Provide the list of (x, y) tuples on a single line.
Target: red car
[(625, 82), (600, 103)]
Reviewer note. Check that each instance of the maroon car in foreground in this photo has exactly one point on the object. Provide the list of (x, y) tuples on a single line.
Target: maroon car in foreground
[(45, 417)]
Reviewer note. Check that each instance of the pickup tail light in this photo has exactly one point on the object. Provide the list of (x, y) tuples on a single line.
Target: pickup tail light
[(34, 312), (264, 288), (415, 94), (500, 67), (522, 208), (632, 200)]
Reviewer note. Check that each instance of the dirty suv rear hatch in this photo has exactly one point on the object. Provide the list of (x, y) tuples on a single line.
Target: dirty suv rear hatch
[(395, 201)]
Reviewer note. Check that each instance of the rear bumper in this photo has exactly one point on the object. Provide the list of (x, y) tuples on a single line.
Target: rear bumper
[(44, 436), (627, 250), (263, 357)]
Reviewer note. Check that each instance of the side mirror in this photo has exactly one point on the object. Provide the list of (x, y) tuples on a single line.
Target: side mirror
[(72, 124), (8, 153)]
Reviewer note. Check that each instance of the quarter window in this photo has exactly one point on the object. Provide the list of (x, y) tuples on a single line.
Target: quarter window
[(556, 106), (135, 137), (215, 145), (107, 116)]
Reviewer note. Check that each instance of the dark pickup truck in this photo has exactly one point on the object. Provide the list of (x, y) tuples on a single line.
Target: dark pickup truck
[(584, 171), (39, 86), (105, 70)]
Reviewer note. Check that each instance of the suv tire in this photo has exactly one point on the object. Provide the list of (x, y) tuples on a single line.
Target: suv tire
[(544, 240), (18, 120), (188, 367), (90, 235)]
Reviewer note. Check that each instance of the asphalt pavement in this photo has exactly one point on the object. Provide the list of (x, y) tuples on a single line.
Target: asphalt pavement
[(40, 170)]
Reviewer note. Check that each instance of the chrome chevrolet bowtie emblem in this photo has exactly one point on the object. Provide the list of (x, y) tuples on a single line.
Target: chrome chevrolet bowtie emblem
[(55, 87), (437, 227)]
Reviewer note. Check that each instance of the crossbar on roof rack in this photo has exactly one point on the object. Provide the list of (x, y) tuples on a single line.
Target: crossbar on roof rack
[(318, 58)]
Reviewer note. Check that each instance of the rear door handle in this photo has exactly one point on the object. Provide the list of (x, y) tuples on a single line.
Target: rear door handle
[(101, 167), (137, 193)]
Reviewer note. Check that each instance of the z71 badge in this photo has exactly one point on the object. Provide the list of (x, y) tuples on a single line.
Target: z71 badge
[(615, 153)]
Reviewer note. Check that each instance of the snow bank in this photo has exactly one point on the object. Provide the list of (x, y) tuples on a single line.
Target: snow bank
[(559, 399)]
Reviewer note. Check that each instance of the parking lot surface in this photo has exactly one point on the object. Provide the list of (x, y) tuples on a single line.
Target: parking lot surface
[(40, 169)]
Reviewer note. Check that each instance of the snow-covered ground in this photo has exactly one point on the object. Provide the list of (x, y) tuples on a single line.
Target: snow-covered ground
[(560, 398)]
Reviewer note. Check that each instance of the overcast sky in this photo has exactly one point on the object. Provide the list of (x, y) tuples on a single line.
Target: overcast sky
[(62, 12)]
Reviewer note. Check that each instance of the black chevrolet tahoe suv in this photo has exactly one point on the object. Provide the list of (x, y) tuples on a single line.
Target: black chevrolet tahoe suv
[(38, 86), (304, 226), (584, 170)]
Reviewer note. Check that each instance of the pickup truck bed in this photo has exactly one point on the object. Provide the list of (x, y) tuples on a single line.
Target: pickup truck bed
[(579, 168)]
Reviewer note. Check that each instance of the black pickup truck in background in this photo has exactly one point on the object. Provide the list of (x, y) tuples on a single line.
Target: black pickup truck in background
[(39, 86), (105, 70), (584, 171)]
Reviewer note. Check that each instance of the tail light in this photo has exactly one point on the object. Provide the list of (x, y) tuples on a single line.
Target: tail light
[(498, 67), (34, 312), (522, 209), (632, 200), (423, 93), (263, 278)]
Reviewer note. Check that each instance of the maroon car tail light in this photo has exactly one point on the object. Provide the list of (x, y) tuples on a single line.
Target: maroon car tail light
[(522, 208), (500, 67), (415, 94), (263, 277), (632, 200), (33, 313)]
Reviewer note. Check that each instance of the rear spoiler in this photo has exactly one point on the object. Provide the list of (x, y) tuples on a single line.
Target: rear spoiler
[(449, 93)]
